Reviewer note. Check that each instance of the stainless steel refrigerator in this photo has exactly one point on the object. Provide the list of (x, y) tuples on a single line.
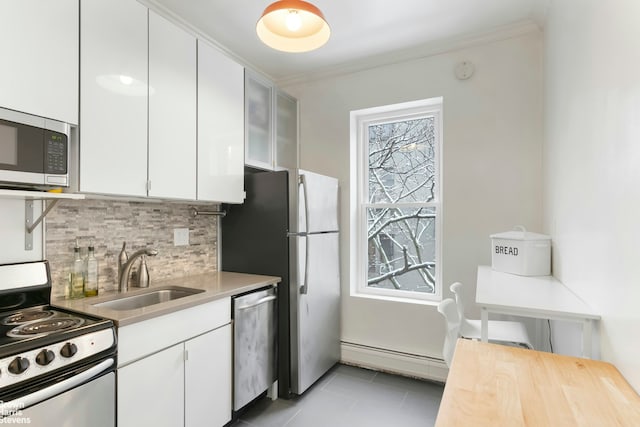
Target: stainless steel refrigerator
[(288, 227)]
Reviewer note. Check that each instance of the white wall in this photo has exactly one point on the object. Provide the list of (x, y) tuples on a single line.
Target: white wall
[(492, 166), (12, 228), (592, 164)]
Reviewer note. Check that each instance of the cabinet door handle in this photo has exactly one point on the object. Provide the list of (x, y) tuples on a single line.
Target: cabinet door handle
[(257, 303)]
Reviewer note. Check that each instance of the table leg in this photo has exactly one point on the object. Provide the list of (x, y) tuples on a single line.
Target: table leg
[(587, 331), (484, 325), (538, 338)]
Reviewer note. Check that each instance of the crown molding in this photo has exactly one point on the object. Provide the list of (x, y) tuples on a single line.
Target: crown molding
[(403, 55), (539, 12), (419, 52)]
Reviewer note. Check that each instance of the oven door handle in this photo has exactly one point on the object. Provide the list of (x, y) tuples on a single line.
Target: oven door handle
[(58, 388)]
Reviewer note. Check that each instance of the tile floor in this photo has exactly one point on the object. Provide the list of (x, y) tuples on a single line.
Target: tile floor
[(351, 397)]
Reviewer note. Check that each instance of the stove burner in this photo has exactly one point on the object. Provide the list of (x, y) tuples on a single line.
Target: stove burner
[(27, 316), (44, 327)]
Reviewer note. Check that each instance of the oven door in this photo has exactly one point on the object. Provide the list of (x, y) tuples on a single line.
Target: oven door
[(84, 399)]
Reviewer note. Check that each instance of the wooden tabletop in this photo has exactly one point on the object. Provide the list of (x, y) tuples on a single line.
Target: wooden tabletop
[(494, 385)]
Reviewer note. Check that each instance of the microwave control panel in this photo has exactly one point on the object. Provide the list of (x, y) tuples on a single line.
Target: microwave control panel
[(56, 153)]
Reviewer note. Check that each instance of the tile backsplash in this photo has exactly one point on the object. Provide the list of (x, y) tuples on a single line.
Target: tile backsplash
[(109, 223)]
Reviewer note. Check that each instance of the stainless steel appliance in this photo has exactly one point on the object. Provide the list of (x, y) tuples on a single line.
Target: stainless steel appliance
[(33, 150), (288, 227), (254, 345), (56, 367)]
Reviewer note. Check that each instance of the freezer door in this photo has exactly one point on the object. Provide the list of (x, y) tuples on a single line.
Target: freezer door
[(318, 202), (315, 335)]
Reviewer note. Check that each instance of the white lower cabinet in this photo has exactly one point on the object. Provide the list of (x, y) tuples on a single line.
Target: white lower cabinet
[(188, 384), (151, 390), (175, 370), (207, 385)]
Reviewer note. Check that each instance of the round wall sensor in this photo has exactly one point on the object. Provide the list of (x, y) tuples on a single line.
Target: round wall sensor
[(464, 70)]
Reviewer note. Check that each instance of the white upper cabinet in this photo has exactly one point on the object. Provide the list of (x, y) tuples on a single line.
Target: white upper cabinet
[(220, 127), (39, 45), (172, 110), (113, 90), (259, 119)]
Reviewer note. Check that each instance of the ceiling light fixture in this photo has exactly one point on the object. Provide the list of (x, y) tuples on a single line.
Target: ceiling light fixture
[(293, 26)]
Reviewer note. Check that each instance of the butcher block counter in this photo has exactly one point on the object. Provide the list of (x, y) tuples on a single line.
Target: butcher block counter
[(494, 385)]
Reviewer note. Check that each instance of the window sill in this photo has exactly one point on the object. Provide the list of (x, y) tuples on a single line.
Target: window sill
[(400, 300)]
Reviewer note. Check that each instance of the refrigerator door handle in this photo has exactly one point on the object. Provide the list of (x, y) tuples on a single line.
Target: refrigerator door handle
[(304, 289), (305, 285)]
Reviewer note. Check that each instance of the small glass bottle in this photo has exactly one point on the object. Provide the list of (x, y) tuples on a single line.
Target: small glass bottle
[(77, 274), (91, 278)]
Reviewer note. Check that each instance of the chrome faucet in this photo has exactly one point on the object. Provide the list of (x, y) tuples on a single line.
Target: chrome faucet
[(126, 268)]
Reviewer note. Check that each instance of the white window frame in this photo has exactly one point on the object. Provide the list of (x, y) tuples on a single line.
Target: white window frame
[(360, 121)]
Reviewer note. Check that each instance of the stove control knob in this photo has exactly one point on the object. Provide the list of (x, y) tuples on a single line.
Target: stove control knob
[(68, 350), (45, 357), (18, 365)]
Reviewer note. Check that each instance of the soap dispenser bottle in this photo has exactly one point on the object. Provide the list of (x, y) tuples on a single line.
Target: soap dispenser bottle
[(122, 259), (143, 273)]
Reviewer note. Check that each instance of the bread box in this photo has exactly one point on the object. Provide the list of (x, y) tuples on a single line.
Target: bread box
[(521, 252)]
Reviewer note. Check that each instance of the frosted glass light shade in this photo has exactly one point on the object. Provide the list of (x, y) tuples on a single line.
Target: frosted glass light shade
[(293, 26)]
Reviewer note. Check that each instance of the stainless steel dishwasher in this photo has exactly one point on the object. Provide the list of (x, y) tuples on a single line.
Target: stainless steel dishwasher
[(254, 345)]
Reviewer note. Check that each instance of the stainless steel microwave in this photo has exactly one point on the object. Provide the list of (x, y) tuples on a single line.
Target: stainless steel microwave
[(33, 150)]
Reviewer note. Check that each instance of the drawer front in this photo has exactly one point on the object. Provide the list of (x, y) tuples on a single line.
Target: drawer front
[(149, 336)]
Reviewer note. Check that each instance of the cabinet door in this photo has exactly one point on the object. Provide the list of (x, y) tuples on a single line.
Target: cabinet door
[(151, 390), (39, 45), (258, 115), (172, 110), (113, 88), (220, 127), (208, 379), (286, 132)]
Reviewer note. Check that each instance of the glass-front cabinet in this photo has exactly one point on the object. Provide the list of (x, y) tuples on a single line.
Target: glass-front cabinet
[(259, 119), (271, 126), (286, 131)]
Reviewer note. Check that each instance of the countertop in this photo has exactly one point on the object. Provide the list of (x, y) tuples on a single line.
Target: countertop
[(496, 385), (215, 285)]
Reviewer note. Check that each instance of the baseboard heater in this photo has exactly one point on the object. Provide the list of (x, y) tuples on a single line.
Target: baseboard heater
[(392, 361)]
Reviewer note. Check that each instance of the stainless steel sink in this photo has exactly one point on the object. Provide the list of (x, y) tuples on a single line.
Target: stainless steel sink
[(151, 297)]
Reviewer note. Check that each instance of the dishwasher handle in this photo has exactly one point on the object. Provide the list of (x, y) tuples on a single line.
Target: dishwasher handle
[(257, 303)]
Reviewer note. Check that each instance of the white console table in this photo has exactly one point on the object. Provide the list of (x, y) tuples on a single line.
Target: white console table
[(541, 297)]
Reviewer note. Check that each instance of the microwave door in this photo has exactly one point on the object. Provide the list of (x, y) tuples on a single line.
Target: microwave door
[(21, 153)]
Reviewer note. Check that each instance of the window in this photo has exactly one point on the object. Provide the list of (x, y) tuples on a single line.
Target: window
[(395, 199)]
